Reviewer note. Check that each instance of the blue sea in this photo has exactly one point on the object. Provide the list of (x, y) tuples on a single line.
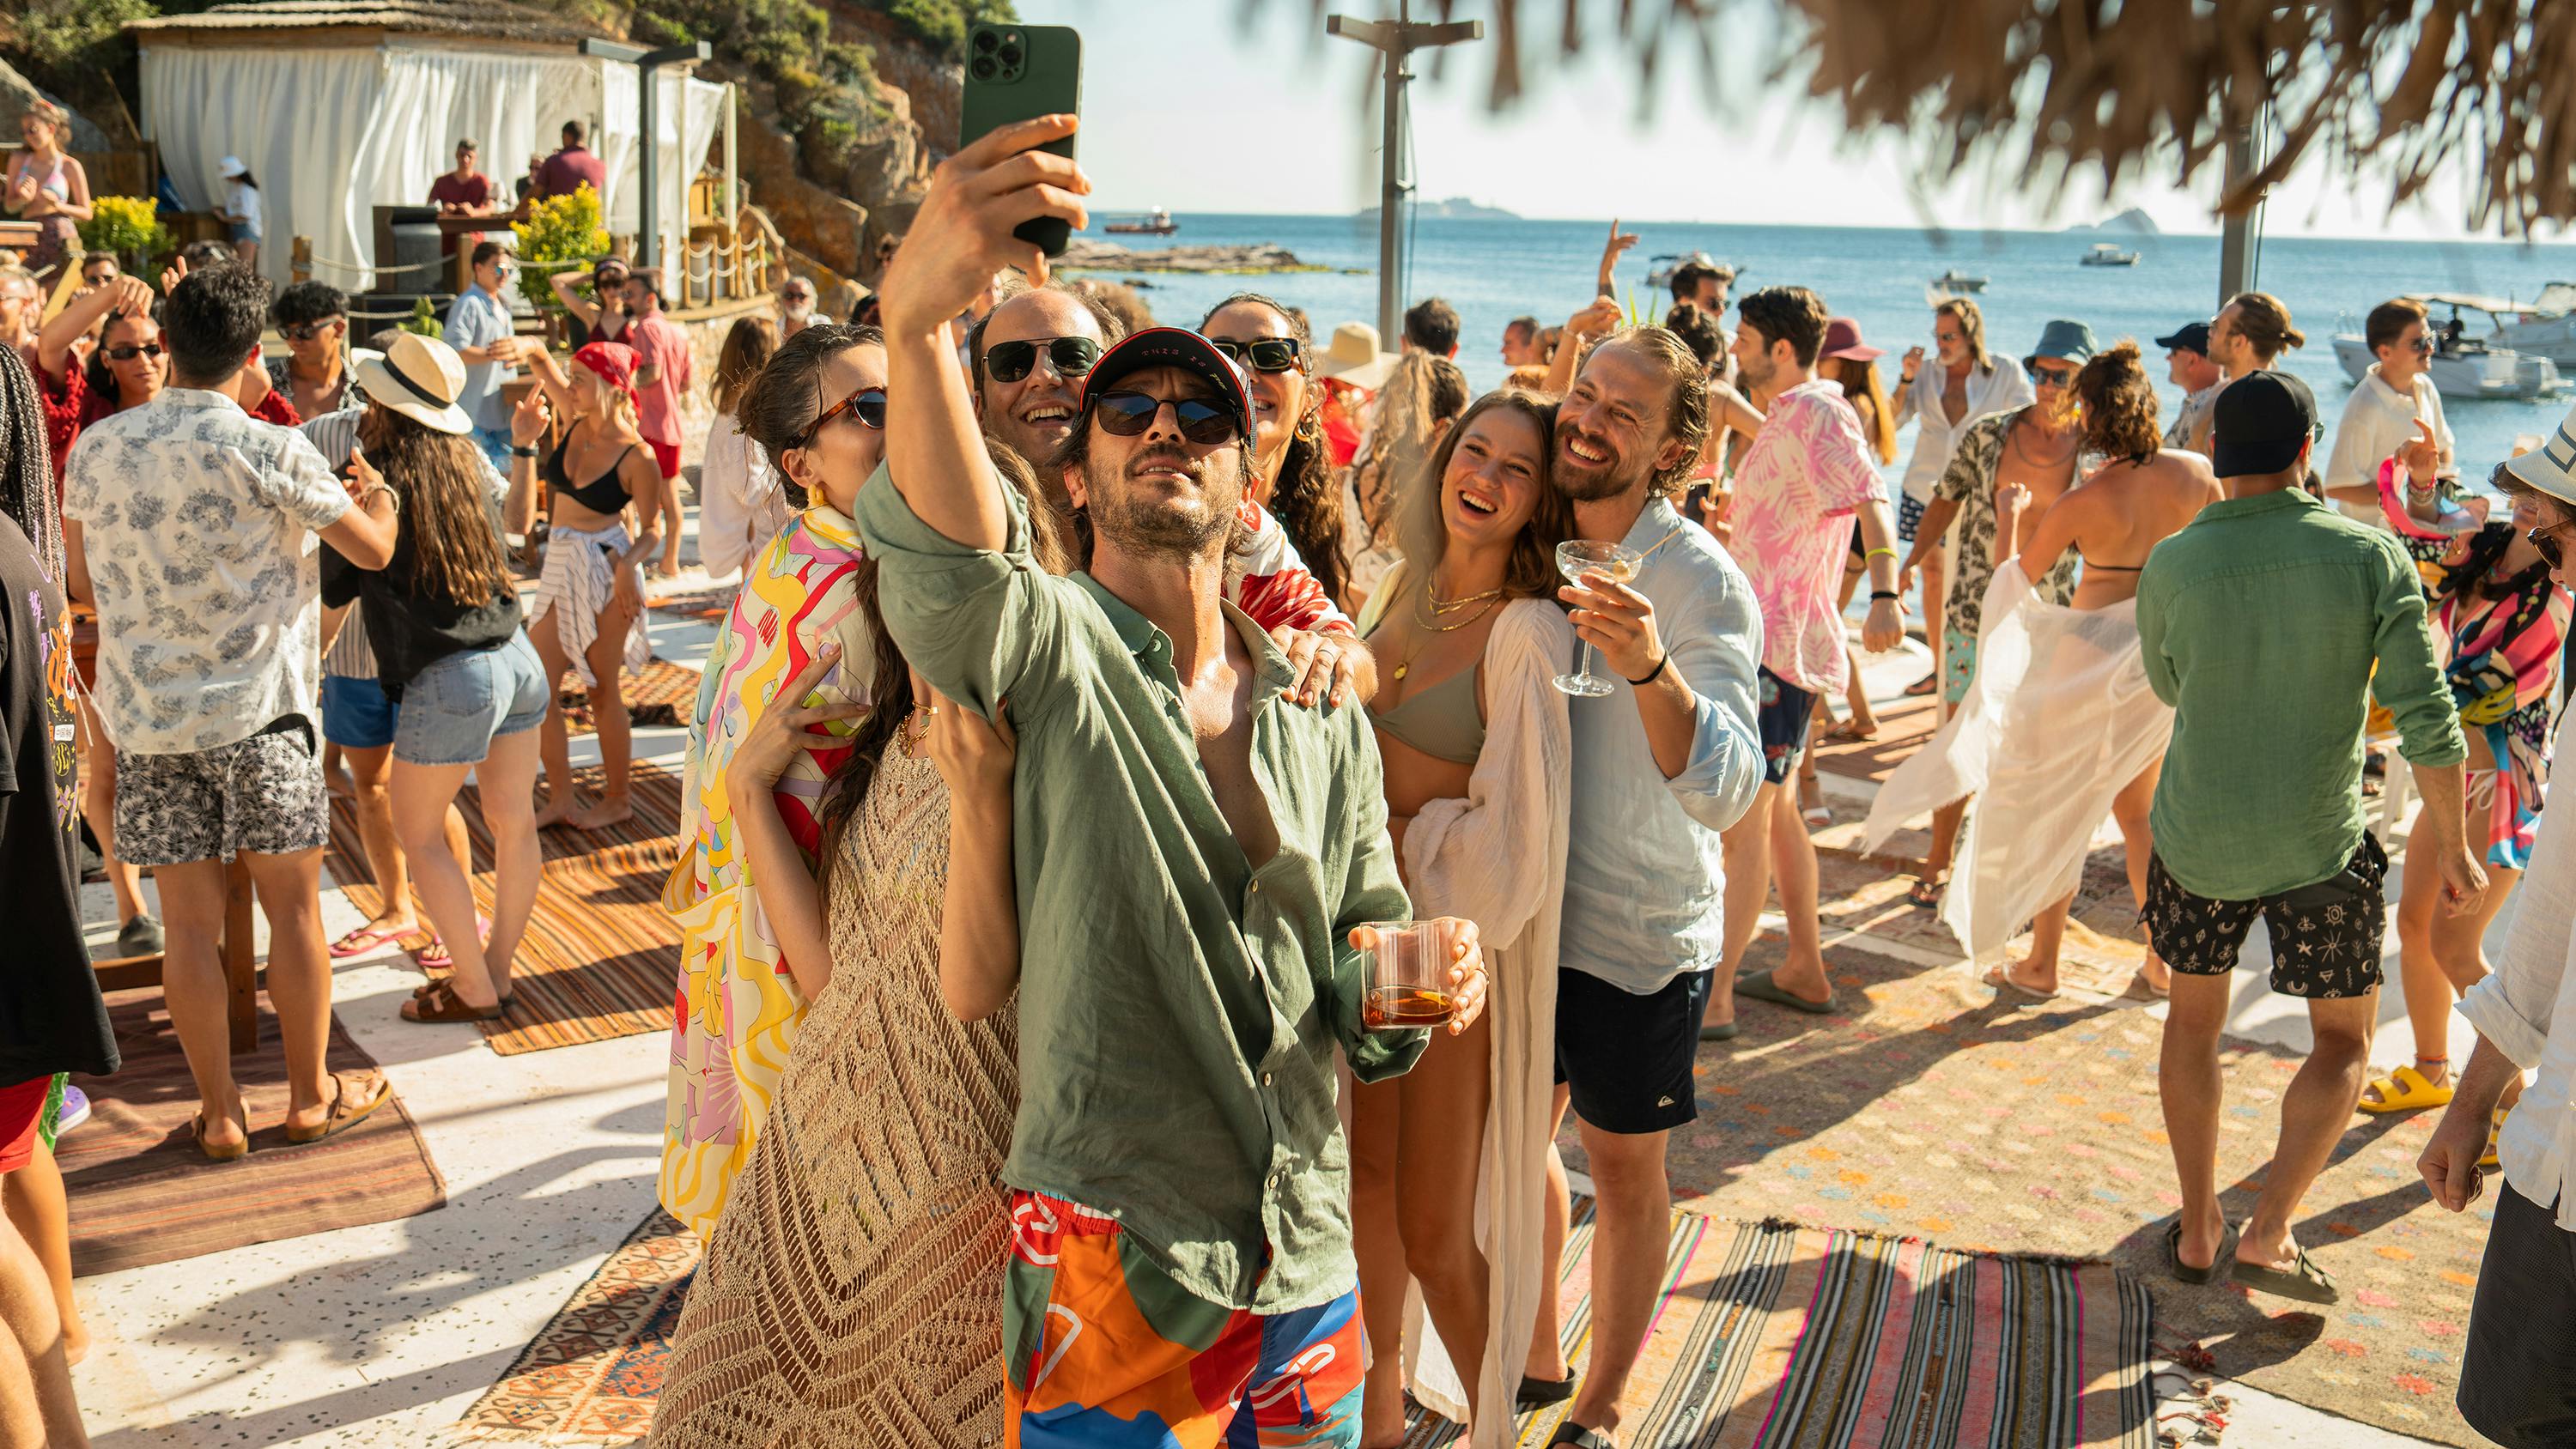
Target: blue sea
[(1494, 270)]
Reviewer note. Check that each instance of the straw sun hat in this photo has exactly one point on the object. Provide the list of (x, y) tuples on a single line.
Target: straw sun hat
[(420, 378), (1356, 357)]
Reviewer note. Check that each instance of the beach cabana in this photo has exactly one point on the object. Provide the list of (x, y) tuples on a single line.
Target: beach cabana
[(338, 106)]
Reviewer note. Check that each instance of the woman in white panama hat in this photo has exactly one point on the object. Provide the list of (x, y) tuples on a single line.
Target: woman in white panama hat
[(443, 618)]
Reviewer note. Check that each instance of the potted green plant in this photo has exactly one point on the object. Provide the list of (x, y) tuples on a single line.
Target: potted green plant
[(127, 228), (560, 230)]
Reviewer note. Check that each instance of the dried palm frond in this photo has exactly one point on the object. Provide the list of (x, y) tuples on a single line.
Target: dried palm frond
[(2043, 90)]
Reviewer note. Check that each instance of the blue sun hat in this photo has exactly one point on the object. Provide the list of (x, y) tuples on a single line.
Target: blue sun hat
[(2064, 341)]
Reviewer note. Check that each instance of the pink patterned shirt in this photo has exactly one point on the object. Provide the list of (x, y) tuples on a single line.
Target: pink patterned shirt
[(1806, 474)]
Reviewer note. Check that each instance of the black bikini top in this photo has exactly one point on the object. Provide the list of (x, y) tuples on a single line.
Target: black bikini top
[(602, 495)]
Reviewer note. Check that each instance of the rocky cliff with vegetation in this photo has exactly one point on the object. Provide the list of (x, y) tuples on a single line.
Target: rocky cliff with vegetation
[(846, 103)]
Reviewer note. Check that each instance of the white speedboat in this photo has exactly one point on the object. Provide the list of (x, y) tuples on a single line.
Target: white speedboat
[(1660, 267), (2463, 366), (2545, 327), (1958, 283), (2109, 254)]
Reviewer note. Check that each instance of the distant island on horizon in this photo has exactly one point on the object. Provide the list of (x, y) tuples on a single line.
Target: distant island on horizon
[(1456, 208)]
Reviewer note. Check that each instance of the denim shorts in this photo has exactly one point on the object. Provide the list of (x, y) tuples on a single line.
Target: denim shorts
[(355, 713), (453, 710)]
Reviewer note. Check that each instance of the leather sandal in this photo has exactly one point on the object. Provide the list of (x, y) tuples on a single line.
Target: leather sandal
[(233, 1153), (440, 1005), (354, 1095)]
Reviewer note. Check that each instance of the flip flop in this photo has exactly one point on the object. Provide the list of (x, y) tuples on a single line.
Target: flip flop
[(2303, 1280), (234, 1153), (362, 940), (2000, 978), (1844, 732), (342, 1115), (1760, 987), (1924, 686), (1926, 892), (435, 954), (2405, 1090), (1539, 1393), (1581, 1438), (442, 1005), (1721, 1031), (2184, 1271)]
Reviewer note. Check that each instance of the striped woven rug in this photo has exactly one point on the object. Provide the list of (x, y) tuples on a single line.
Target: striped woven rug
[(601, 958), (1767, 1337)]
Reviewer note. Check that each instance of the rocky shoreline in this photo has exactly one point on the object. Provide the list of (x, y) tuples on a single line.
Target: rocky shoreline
[(1087, 254)]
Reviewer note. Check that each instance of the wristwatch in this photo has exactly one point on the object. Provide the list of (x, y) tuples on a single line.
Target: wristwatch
[(522, 450)]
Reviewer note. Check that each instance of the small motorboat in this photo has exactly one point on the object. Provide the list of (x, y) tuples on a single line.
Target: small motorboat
[(1660, 268), (2109, 254), (1958, 283), (1157, 222), (2545, 327), (2463, 366)]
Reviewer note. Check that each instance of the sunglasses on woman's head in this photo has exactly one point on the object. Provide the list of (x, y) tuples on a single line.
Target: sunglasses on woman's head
[(868, 405), (1128, 414), (1069, 356), (1262, 354), (128, 351)]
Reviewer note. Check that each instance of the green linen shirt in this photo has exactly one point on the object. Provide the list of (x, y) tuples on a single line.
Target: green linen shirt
[(2261, 622), (1179, 1006)]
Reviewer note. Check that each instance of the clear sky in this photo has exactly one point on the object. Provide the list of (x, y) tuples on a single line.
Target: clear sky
[(1161, 77)]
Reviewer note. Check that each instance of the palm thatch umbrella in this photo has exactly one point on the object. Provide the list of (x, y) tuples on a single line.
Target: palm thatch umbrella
[(2384, 91)]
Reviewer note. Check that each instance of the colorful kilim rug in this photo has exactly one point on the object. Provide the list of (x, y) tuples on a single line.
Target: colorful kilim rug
[(141, 1192), (662, 693), (1767, 1336), (1925, 1106), (601, 958)]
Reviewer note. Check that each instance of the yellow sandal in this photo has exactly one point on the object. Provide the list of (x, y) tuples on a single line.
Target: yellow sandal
[(2406, 1090), (2495, 1130)]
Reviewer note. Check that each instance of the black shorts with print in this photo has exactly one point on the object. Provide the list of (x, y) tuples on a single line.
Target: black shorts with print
[(2326, 937), (1781, 719)]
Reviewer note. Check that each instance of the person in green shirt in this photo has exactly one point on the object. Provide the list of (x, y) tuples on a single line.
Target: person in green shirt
[(1194, 854), (2267, 623)]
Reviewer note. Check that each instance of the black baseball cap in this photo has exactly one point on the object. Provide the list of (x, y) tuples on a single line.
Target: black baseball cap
[(2259, 424), (1172, 347), (2189, 337)]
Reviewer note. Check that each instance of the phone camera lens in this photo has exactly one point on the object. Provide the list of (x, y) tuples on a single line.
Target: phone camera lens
[(1011, 58), (986, 40), (983, 67)]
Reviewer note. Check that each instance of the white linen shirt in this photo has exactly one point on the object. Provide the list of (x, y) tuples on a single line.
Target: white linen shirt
[(2375, 421), (741, 505), (198, 523), (1644, 876), (1997, 387), (2526, 1009)]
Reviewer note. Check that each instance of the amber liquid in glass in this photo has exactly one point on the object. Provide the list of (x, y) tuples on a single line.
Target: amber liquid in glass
[(1402, 1008)]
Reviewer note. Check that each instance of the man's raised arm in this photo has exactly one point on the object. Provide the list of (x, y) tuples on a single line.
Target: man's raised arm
[(959, 239)]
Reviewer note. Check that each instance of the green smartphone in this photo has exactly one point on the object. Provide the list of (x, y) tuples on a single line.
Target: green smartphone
[(1017, 73)]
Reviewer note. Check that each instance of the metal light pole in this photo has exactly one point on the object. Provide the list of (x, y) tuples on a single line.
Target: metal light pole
[(648, 118), (1396, 40), (2236, 239)]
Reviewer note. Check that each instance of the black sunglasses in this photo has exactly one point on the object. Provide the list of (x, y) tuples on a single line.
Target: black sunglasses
[(2054, 376), (1069, 356), (129, 351), (2545, 539), (868, 405), (1262, 354), (1127, 414), (306, 332)]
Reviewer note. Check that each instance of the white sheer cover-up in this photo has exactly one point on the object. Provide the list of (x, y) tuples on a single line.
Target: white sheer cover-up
[(2058, 720), (1497, 858)]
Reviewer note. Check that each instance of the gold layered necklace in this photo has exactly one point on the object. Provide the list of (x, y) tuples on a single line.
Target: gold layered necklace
[(1491, 600)]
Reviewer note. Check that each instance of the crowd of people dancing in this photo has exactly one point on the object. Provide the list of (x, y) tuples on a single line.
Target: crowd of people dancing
[(1105, 705)]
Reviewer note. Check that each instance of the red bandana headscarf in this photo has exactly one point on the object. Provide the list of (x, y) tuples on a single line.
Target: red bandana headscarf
[(613, 361)]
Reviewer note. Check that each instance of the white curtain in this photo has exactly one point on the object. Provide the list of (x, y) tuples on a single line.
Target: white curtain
[(2058, 720), (297, 118), (688, 114), (329, 133)]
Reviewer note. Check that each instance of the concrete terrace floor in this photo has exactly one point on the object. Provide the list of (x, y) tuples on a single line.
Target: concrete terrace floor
[(384, 1335)]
